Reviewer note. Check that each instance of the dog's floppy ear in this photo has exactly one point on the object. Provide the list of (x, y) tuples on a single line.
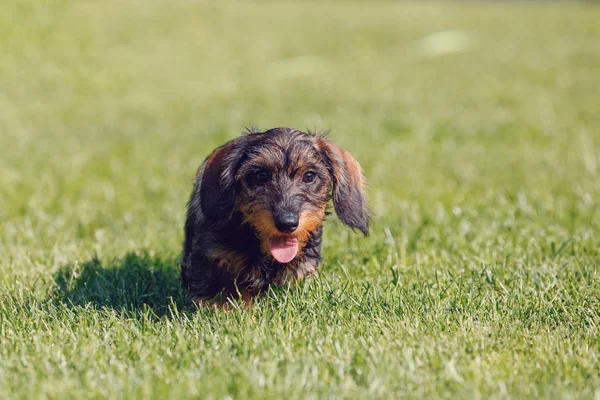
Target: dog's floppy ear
[(349, 198), (217, 186)]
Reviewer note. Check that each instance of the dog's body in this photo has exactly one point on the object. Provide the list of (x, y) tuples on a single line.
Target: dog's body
[(256, 213)]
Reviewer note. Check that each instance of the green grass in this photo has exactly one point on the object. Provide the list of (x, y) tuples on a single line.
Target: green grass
[(481, 277)]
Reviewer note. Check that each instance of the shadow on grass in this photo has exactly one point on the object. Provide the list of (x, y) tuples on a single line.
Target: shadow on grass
[(131, 285)]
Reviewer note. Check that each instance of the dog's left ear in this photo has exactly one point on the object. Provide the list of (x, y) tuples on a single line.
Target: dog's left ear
[(349, 198), (217, 186)]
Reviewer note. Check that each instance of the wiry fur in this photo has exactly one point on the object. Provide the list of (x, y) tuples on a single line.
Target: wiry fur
[(230, 217)]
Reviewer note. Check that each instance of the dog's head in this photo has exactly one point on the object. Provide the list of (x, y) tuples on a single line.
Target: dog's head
[(280, 181)]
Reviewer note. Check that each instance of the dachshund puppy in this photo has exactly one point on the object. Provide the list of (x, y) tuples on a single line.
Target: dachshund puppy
[(256, 213)]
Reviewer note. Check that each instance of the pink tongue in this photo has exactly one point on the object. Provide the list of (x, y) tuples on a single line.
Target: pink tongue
[(284, 249)]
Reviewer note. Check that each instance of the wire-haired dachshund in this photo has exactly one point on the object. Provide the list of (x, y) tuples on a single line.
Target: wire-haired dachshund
[(256, 214)]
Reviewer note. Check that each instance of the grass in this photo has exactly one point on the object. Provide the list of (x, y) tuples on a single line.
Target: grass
[(481, 144)]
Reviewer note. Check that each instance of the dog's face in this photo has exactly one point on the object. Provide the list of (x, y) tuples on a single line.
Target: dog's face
[(281, 181), (284, 189)]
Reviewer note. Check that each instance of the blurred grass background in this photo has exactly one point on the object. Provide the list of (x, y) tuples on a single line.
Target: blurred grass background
[(477, 126)]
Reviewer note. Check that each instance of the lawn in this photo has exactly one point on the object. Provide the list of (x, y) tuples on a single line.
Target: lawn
[(478, 127)]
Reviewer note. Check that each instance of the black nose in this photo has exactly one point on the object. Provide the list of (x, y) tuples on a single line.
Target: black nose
[(286, 222)]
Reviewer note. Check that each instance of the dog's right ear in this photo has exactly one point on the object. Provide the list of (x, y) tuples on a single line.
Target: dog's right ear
[(217, 186)]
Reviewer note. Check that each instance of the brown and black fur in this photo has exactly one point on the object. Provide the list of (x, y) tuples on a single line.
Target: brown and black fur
[(233, 210)]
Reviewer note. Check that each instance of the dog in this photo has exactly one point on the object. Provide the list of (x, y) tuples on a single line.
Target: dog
[(255, 216)]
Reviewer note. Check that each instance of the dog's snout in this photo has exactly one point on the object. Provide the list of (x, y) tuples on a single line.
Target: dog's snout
[(286, 222)]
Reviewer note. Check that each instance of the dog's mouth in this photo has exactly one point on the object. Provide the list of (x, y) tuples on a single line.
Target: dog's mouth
[(284, 248)]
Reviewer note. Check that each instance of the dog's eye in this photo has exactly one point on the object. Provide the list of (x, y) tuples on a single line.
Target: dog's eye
[(261, 176), (309, 177)]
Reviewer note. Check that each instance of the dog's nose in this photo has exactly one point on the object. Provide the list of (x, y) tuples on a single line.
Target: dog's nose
[(286, 222)]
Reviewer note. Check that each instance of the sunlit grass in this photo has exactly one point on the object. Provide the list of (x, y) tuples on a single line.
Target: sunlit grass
[(477, 125)]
